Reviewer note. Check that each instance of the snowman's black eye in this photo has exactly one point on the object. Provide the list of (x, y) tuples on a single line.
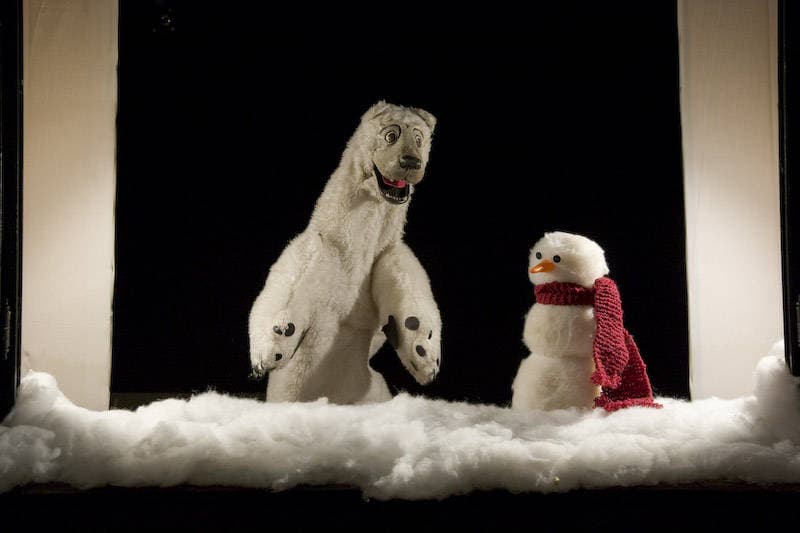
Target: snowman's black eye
[(556, 258), (538, 255)]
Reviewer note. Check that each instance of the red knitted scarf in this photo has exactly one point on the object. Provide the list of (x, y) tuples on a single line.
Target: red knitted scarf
[(619, 368)]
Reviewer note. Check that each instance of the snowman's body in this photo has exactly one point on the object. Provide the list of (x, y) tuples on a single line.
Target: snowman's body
[(558, 372)]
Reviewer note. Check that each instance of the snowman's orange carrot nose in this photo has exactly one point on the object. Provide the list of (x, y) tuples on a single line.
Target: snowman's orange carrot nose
[(544, 266)]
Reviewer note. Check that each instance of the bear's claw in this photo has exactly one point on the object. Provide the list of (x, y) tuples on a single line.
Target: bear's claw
[(278, 346), (415, 347)]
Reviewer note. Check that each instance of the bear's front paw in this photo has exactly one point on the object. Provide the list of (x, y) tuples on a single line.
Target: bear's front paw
[(274, 348), (417, 344)]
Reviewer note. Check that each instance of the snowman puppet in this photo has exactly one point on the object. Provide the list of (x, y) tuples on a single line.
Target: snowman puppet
[(581, 354)]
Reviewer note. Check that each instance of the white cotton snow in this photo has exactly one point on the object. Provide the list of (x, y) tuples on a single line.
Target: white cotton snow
[(409, 447)]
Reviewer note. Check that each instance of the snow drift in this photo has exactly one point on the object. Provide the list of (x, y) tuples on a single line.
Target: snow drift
[(409, 447)]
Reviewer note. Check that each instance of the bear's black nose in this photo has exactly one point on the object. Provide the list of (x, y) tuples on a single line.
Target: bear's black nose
[(409, 161)]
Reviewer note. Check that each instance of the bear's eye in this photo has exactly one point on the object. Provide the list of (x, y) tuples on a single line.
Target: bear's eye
[(418, 138), (538, 255), (556, 258), (391, 134)]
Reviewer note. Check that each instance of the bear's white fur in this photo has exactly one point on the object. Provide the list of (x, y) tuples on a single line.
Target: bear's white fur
[(319, 317)]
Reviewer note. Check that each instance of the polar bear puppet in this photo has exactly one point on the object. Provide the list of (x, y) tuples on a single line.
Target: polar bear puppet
[(348, 283)]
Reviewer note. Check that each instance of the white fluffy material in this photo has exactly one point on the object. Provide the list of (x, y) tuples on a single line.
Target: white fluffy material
[(411, 448)]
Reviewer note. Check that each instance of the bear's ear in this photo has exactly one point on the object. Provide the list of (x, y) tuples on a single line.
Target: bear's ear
[(429, 119), (376, 110)]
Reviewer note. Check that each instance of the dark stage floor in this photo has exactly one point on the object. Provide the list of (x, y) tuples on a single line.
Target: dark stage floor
[(690, 507)]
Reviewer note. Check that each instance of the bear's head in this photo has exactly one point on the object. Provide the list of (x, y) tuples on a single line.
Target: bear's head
[(398, 141)]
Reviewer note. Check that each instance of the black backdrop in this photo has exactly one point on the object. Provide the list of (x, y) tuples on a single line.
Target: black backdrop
[(10, 200), (788, 69), (231, 121)]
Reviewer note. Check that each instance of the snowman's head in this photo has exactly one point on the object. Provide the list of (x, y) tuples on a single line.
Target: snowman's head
[(567, 258)]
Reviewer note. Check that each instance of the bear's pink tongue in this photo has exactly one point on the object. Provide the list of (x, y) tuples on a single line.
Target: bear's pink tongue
[(398, 184)]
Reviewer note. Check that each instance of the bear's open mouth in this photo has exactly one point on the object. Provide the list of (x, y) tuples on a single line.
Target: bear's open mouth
[(393, 191)]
